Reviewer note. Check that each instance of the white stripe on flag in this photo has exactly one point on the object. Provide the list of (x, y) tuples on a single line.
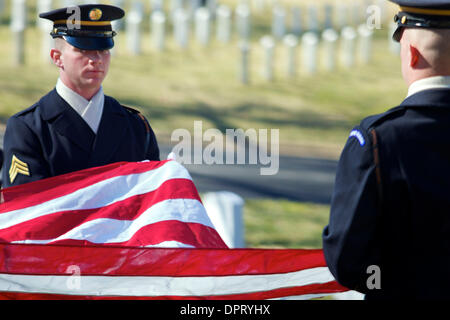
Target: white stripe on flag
[(161, 286), (99, 195), (105, 230), (169, 244)]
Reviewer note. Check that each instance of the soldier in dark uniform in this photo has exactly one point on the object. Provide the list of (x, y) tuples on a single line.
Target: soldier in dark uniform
[(1, 163), (389, 230), (76, 126)]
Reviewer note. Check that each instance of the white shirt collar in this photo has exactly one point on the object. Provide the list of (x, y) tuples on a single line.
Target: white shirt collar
[(437, 82), (91, 111)]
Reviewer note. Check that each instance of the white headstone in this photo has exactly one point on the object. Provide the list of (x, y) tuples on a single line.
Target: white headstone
[(364, 43), (133, 29), (45, 26), (44, 6), (174, 6), (202, 25), (357, 13), (193, 6), (329, 43), (278, 22), (348, 46), (297, 21), (2, 7), (394, 46), (244, 62), (313, 19), (309, 45), (382, 5), (158, 24), (117, 25), (268, 46), (181, 27), (342, 16), (223, 24), (156, 5), (291, 43), (18, 25), (18, 15), (225, 209), (328, 16), (243, 21), (69, 3), (138, 8), (212, 6), (258, 5)]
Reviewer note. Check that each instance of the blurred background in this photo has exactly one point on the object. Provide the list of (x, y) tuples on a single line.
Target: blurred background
[(311, 69)]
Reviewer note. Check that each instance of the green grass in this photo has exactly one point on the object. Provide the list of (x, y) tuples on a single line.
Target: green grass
[(284, 224), (174, 88)]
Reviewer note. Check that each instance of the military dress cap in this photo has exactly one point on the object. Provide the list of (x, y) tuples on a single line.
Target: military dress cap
[(86, 26), (421, 14)]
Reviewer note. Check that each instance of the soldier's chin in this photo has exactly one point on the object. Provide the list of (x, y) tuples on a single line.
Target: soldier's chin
[(94, 80)]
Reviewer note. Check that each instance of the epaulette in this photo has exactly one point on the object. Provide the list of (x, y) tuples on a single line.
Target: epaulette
[(135, 111), (27, 110), (140, 115), (373, 121), (146, 124)]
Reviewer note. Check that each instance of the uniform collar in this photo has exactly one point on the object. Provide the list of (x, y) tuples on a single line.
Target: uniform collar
[(431, 97), (91, 111), (437, 82)]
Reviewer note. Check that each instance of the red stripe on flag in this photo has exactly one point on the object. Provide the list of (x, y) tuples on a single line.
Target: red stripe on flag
[(127, 209), (105, 260), (37, 192)]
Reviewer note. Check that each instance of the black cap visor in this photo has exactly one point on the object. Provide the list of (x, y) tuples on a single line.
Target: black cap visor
[(90, 43), (398, 34), (418, 20)]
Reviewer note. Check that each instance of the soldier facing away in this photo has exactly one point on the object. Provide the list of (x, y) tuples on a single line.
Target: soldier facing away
[(391, 203)]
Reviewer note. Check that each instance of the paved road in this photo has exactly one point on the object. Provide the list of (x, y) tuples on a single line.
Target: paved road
[(300, 179)]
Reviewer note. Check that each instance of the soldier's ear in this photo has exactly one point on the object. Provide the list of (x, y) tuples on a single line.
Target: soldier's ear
[(414, 56), (55, 54)]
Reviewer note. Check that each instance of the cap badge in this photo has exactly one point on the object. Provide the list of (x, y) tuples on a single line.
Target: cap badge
[(95, 14)]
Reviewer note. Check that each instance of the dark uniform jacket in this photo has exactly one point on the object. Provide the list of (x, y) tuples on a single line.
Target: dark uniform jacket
[(50, 138), (391, 203)]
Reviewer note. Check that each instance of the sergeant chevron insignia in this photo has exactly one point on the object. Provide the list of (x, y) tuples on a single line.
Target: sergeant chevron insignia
[(17, 166)]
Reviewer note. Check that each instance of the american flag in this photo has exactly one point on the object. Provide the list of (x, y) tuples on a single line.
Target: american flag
[(137, 230)]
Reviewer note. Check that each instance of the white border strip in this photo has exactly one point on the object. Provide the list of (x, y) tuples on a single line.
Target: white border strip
[(161, 286)]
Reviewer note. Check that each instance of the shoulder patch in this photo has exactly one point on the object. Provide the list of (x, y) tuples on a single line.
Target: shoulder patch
[(358, 135)]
